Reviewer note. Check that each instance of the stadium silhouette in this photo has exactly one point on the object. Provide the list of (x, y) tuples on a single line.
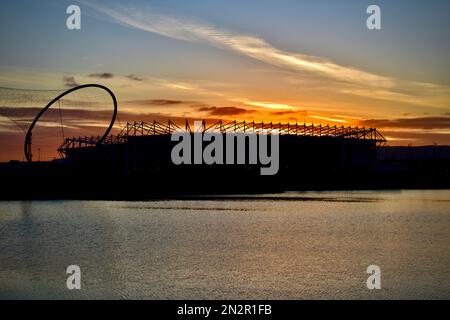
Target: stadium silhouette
[(136, 163)]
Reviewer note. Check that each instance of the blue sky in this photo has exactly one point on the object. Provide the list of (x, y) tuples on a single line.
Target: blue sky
[(419, 30)]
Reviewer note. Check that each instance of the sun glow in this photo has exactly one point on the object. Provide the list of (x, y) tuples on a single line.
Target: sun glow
[(328, 119), (277, 106)]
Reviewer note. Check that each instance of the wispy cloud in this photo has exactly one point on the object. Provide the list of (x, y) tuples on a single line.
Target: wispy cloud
[(104, 75), (245, 44), (69, 81), (422, 123), (134, 77), (269, 105), (155, 102), (329, 119), (350, 80), (224, 111)]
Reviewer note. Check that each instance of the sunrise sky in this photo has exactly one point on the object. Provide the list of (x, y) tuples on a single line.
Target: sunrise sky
[(282, 61)]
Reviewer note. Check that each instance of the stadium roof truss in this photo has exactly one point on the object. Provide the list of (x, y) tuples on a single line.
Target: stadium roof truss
[(156, 128)]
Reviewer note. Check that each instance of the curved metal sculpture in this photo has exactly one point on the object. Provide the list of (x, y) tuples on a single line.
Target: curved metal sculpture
[(27, 143)]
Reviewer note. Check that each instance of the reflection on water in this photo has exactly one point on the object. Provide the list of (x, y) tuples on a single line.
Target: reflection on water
[(293, 246)]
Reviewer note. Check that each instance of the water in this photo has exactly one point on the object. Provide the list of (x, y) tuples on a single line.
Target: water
[(294, 246)]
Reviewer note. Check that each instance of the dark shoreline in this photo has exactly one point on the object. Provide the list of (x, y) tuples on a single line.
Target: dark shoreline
[(44, 185), (394, 168)]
